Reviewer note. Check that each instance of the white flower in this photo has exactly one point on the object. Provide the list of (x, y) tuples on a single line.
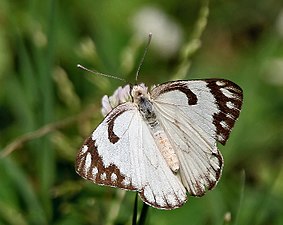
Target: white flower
[(120, 96)]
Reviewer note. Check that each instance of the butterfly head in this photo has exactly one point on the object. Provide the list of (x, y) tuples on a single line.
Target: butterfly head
[(139, 91)]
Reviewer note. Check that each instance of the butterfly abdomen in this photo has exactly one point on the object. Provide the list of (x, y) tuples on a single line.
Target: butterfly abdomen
[(162, 140), (166, 149)]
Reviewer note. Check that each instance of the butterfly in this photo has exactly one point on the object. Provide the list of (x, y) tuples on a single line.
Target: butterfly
[(162, 143)]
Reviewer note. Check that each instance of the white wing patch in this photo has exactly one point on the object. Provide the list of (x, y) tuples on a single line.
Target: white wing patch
[(122, 153), (189, 113)]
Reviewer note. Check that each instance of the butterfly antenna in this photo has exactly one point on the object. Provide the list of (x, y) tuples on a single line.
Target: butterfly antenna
[(101, 74), (144, 54)]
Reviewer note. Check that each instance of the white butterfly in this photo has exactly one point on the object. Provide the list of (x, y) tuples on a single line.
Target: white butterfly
[(163, 143)]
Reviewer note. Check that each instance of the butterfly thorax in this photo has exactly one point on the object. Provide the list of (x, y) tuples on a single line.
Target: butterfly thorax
[(142, 98)]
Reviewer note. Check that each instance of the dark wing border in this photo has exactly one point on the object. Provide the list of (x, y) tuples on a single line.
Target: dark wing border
[(228, 98)]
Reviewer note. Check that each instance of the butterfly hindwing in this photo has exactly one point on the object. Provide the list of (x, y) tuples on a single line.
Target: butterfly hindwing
[(195, 114), (121, 152)]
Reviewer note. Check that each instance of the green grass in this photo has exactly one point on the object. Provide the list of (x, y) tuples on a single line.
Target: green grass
[(48, 106)]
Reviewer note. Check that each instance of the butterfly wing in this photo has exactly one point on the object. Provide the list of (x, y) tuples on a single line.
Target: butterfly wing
[(121, 152), (195, 114)]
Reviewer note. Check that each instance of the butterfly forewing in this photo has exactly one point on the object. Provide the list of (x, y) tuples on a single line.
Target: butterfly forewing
[(122, 153), (228, 98), (194, 115), (216, 102)]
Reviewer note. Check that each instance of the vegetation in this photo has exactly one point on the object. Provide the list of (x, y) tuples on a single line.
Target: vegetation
[(48, 106)]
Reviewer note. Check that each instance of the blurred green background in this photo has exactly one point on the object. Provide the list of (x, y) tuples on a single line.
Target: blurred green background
[(48, 106)]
